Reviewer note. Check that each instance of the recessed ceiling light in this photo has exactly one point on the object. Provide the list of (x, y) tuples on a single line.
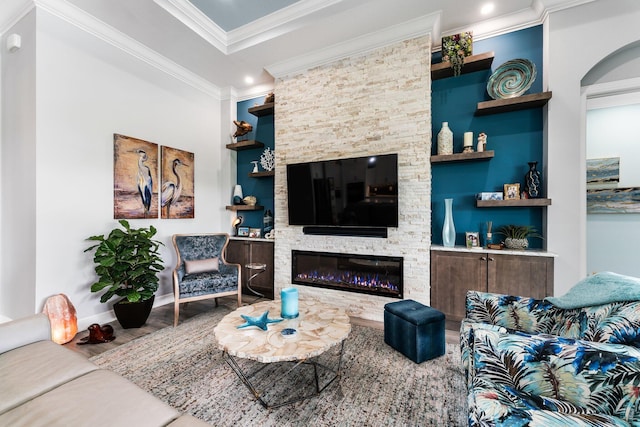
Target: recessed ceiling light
[(487, 8), (248, 80)]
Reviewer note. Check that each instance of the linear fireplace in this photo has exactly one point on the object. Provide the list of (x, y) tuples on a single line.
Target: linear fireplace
[(369, 274)]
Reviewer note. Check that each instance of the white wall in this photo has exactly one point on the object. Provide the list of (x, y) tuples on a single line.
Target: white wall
[(17, 156), (86, 90), (612, 239), (578, 39)]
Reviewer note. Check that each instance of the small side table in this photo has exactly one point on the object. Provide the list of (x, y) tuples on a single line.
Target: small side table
[(255, 269)]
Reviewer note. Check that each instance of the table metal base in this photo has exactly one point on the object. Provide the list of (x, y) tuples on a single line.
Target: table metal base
[(259, 395)]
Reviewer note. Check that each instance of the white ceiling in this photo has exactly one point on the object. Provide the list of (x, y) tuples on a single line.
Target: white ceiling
[(222, 43)]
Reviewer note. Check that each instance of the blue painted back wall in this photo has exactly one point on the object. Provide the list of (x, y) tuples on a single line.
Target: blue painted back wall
[(262, 188), (516, 138)]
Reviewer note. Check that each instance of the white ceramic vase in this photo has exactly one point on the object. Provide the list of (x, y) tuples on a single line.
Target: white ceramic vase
[(445, 140)]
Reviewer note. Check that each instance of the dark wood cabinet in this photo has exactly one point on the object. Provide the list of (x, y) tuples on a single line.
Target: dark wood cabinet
[(246, 251), (453, 273)]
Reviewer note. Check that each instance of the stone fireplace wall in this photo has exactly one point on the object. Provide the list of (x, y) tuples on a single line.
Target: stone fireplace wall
[(378, 102)]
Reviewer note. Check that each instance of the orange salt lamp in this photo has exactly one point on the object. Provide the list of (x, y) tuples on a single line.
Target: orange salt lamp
[(62, 316)]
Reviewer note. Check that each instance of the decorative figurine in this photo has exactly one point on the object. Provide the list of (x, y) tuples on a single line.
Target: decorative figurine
[(255, 166), (267, 159), (482, 142), (243, 128), (269, 98), (260, 321), (98, 334)]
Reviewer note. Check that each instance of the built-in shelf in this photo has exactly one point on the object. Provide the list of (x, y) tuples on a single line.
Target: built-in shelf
[(244, 208), (261, 174), (262, 110), (512, 203), (245, 145), (463, 157), (471, 64), (513, 104)]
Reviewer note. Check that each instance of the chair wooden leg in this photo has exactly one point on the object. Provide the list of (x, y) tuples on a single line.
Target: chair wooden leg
[(176, 312), (239, 299)]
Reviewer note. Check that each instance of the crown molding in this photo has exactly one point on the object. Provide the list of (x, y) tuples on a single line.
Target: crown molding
[(185, 12), (275, 24), (262, 29), (91, 25), (537, 14), (13, 11), (255, 92), (416, 27)]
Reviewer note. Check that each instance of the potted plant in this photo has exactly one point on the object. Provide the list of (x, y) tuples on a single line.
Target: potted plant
[(127, 264), (517, 236)]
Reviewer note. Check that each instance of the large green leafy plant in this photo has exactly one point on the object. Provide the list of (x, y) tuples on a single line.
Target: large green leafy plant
[(127, 263)]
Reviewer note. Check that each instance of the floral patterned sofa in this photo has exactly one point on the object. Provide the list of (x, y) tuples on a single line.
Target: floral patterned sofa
[(531, 363)]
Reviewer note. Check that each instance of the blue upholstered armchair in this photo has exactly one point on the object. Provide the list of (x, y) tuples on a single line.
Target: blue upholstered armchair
[(202, 271)]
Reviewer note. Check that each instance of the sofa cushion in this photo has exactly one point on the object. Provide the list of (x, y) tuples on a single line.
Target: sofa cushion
[(24, 331), (202, 265), (98, 399), (34, 369)]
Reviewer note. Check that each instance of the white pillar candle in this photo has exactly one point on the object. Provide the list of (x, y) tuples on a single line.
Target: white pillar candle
[(468, 139)]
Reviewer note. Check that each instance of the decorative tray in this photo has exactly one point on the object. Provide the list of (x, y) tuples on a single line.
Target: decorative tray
[(511, 79)]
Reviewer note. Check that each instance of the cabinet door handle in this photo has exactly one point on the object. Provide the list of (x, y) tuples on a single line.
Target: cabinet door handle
[(491, 259), (483, 258)]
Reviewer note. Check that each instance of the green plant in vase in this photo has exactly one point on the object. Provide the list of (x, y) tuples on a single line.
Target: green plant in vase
[(517, 236), (127, 262)]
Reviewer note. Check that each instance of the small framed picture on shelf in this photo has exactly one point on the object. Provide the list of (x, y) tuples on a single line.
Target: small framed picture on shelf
[(511, 191), (472, 239), (255, 233), (243, 231)]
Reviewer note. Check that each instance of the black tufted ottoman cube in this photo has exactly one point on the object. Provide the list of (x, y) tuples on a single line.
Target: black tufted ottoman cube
[(415, 330)]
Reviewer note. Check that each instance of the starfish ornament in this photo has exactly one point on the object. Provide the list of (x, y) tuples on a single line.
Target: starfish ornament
[(260, 321)]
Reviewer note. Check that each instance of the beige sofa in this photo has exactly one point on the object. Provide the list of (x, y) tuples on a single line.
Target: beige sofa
[(45, 384)]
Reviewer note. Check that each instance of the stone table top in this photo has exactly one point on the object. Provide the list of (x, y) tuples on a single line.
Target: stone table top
[(319, 327)]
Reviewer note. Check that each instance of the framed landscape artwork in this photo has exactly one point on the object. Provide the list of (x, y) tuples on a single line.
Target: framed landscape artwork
[(177, 190), (604, 195), (135, 173)]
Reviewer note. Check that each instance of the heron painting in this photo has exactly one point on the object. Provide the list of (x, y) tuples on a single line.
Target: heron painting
[(177, 188), (135, 173)]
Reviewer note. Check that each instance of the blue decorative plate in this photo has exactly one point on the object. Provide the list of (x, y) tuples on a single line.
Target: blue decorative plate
[(511, 79)]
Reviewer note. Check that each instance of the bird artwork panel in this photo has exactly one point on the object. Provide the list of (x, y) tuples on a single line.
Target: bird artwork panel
[(177, 184), (135, 178)]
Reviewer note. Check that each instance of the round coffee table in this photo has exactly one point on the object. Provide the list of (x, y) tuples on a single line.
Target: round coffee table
[(319, 327)]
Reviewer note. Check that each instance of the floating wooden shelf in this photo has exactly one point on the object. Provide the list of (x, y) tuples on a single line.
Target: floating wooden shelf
[(262, 110), (245, 145), (463, 157), (471, 64), (261, 174), (244, 208), (512, 203), (513, 104)]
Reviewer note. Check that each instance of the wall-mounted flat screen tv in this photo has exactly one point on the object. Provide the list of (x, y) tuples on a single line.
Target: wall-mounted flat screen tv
[(350, 192)]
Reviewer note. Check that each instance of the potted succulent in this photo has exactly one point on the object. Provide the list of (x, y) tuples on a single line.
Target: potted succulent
[(127, 264), (517, 236)]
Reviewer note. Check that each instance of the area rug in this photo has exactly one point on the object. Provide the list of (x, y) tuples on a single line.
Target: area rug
[(379, 386)]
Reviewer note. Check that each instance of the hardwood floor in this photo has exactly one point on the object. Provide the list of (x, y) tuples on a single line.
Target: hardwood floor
[(162, 317)]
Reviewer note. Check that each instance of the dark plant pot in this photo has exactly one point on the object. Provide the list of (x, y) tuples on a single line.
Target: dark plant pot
[(133, 314)]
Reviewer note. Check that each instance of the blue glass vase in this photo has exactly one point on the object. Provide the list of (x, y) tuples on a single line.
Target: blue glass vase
[(448, 228)]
